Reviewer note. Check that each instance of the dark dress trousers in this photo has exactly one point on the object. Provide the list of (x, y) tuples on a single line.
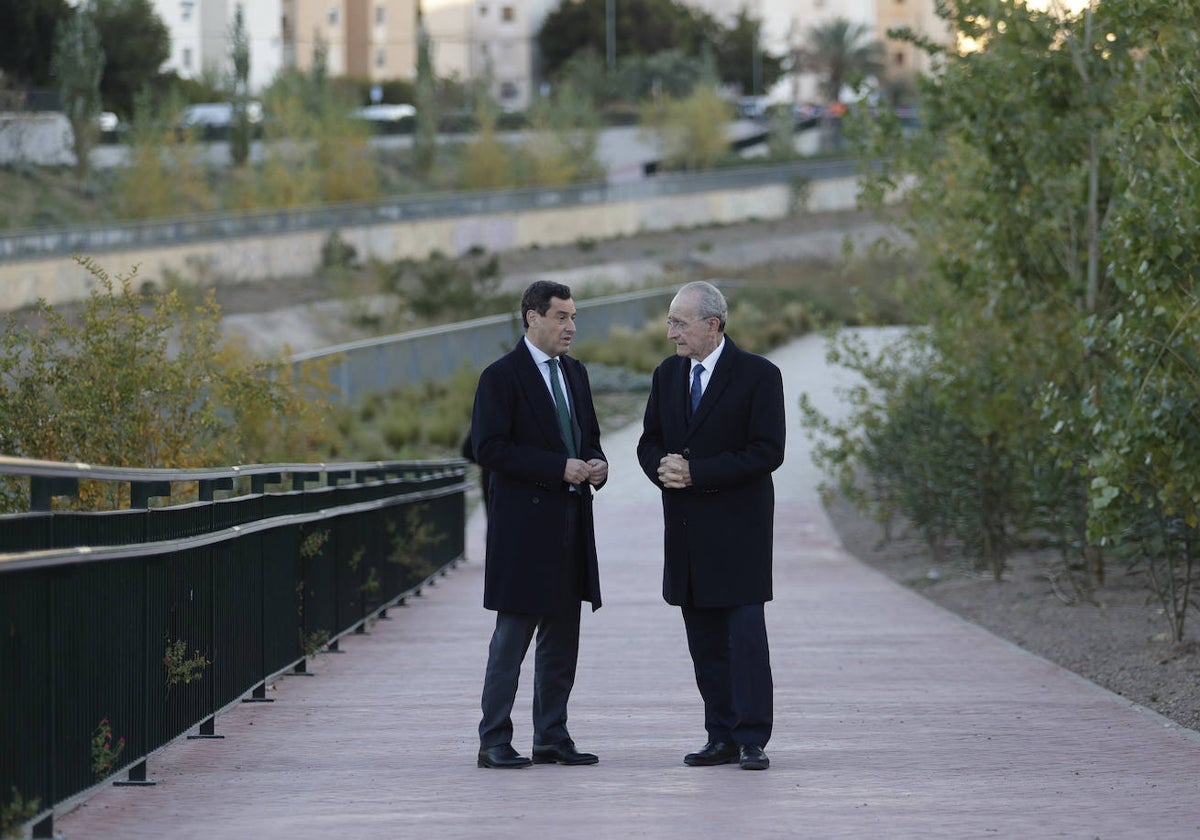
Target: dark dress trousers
[(718, 533), (541, 549)]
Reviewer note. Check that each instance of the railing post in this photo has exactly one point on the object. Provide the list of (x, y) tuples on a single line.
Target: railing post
[(208, 726), (43, 489)]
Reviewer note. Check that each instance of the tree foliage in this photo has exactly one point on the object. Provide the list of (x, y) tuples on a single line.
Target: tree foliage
[(79, 62), (842, 53), (166, 174), (146, 381), (1057, 189), (425, 137), (27, 38), (643, 27), (136, 43), (239, 89), (646, 31), (690, 132), (563, 137), (741, 60)]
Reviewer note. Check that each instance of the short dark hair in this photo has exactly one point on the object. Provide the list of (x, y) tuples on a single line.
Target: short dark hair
[(538, 295)]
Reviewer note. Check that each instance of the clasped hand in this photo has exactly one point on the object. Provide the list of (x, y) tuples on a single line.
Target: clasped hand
[(674, 472), (594, 471)]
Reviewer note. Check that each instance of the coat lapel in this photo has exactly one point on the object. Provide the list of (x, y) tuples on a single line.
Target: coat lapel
[(536, 392), (717, 383)]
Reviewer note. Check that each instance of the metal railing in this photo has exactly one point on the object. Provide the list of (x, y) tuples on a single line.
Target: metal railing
[(97, 238), (382, 365), (122, 630)]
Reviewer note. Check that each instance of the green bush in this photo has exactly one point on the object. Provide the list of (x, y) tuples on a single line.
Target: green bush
[(147, 381)]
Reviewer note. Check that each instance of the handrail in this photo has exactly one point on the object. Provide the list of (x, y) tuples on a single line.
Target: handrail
[(78, 469), (99, 614), (31, 243)]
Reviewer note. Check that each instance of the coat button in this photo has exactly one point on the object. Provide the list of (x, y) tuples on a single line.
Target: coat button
[(537, 500), (687, 452)]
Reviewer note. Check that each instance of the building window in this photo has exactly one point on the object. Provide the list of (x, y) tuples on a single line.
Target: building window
[(508, 14), (185, 10), (508, 90), (334, 15), (483, 9), (380, 15), (187, 58), (380, 58)]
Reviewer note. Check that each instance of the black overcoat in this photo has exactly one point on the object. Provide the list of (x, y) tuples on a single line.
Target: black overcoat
[(515, 436), (718, 532)]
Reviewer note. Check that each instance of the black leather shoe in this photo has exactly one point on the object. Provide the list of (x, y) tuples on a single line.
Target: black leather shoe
[(564, 753), (753, 758), (503, 757), (713, 753)]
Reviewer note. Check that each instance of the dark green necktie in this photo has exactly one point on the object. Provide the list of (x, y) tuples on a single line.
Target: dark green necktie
[(560, 408)]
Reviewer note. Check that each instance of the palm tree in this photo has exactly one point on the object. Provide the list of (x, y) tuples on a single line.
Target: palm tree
[(840, 52)]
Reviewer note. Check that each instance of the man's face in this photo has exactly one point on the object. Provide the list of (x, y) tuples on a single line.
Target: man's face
[(552, 333), (694, 337)]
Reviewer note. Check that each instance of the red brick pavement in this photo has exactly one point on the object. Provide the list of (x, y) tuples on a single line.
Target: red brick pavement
[(894, 719)]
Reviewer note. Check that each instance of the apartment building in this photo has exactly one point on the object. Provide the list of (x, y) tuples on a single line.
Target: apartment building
[(494, 40), (200, 41), (903, 61), (787, 23), (371, 39)]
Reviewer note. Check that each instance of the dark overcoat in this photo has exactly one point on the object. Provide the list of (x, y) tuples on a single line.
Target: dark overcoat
[(514, 432), (718, 532)]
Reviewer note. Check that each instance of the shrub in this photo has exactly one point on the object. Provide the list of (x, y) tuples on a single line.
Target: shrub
[(147, 382)]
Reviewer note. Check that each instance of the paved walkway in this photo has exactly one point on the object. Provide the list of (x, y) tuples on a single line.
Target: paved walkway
[(894, 719)]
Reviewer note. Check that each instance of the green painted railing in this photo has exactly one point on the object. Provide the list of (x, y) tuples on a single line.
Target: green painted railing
[(121, 631)]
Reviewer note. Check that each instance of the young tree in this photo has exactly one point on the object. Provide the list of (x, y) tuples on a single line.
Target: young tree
[(1145, 410), (78, 62), (487, 163), (425, 137), (562, 140), (165, 175), (147, 382), (1011, 184), (239, 89), (691, 132)]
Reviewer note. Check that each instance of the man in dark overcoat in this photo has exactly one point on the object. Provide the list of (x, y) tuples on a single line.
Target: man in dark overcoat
[(712, 434), (534, 429)]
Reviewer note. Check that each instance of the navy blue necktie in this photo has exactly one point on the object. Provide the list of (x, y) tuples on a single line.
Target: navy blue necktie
[(696, 392)]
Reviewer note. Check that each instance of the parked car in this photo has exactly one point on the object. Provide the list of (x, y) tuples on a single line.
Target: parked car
[(388, 119), (752, 107), (213, 119)]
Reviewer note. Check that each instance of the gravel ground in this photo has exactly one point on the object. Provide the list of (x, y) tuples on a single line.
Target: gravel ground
[(1116, 636)]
